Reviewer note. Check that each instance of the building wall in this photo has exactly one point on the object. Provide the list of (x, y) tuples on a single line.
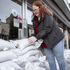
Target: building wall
[(6, 7), (29, 16), (67, 3)]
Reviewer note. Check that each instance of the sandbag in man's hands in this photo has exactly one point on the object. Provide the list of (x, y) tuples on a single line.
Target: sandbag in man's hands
[(32, 40)]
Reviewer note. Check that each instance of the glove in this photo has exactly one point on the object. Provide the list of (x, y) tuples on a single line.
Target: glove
[(32, 40)]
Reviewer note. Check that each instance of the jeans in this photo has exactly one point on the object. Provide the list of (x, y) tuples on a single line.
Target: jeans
[(58, 53)]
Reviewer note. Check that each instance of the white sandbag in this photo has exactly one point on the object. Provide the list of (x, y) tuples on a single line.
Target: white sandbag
[(29, 48), (42, 63), (6, 68), (20, 52), (33, 59), (9, 65), (47, 65), (6, 44), (31, 53), (42, 58), (23, 43), (39, 68), (67, 54), (31, 66), (7, 55), (20, 60), (17, 51), (24, 58)]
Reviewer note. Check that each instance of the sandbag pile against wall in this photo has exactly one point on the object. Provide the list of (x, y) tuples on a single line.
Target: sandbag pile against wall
[(22, 56)]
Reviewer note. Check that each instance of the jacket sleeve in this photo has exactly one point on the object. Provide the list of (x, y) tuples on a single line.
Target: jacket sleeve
[(47, 28)]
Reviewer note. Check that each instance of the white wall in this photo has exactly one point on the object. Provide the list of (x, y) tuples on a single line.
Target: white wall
[(28, 17)]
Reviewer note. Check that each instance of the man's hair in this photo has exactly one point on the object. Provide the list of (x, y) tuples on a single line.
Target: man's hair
[(44, 9)]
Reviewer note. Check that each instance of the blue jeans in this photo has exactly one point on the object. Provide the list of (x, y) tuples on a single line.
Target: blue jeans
[(58, 53)]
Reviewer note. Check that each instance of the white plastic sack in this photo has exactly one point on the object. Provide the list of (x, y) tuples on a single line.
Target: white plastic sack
[(9, 65), (31, 53), (23, 43), (39, 68), (6, 44), (20, 60), (20, 52), (31, 66), (7, 55), (42, 59), (17, 51), (33, 59), (67, 54), (6, 68), (29, 48)]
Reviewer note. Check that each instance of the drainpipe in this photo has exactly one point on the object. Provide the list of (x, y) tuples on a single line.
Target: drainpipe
[(24, 21), (66, 37)]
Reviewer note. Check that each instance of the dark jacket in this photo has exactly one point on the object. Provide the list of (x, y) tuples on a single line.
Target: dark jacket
[(48, 31)]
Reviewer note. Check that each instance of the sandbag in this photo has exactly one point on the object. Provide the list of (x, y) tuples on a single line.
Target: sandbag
[(31, 66), (9, 65), (6, 44), (7, 55), (23, 43)]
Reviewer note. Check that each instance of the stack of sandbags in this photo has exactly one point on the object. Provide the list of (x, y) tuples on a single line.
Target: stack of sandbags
[(30, 54), (33, 56), (23, 55), (32, 62), (6, 60)]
